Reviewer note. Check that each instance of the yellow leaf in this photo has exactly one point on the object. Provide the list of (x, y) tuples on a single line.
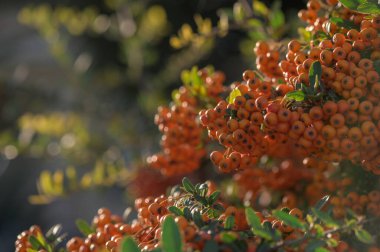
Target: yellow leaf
[(186, 33), (58, 182), (46, 183), (71, 175), (260, 8), (86, 181), (175, 42), (39, 199), (98, 173)]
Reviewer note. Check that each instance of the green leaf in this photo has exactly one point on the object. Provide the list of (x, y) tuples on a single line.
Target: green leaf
[(213, 197), (84, 227), (211, 246), (227, 237), (364, 236), (350, 4), (314, 244), (260, 8), (171, 237), (315, 74), (296, 95), (31, 250), (252, 218), (185, 77), (203, 189), (238, 12), (36, 244), (332, 242), (187, 185), (369, 8), (344, 23), (175, 210), (276, 16), (288, 219), (235, 93), (129, 245), (229, 223), (255, 223), (322, 202), (187, 213), (197, 218), (53, 232), (325, 218), (320, 249)]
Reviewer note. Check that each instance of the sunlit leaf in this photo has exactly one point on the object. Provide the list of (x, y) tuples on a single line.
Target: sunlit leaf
[(369, 8), (260, 8), (288, 219), (297, 95), (235, 93), (322, 202), (187, 185), (364, 236), (213, 197), (229, 222), (175, 210), (84, 227)]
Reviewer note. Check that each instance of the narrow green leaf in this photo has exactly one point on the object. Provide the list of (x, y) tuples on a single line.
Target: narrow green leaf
[(332, 242), (295, 95), (36, 244), (315, 73), (188, 186), (321, 249), (84, 227), (227, 237), (230, 222), (187, 213), (260, 8), (255, 223), (171, 237), (211, 246), (314, 244), (364, 236), (252, 218), (203, 189), (288, 219), (276, 16), (263, 234), (175, 210), (369, 8), (322, 202), (197, 218), (31, 250), (325, 218), (213, 197), (344, 23), (185, 77), (129, 245), (350, 4), (235, 93)]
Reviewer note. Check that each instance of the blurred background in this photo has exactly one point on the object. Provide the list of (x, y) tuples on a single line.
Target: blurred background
[(80, 83)]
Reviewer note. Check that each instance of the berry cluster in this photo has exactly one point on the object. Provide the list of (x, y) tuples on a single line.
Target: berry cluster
[(346, 126), (22, 243), (108, 230), (367, 204), (182, 144)]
